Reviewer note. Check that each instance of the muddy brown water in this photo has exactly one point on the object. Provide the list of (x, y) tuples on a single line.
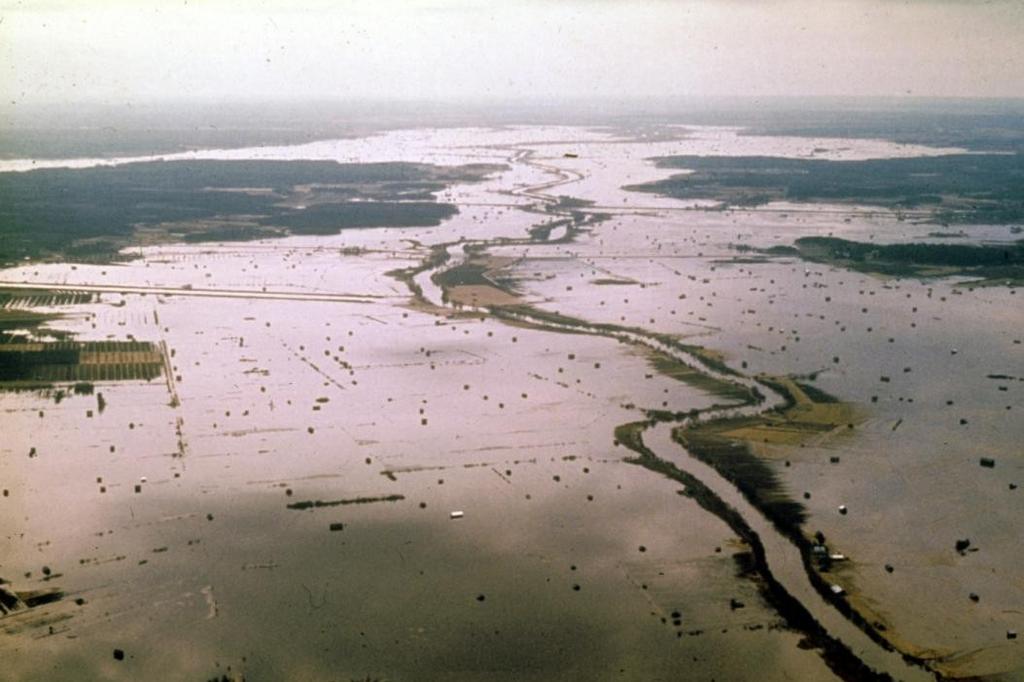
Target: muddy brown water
[(206, 567)]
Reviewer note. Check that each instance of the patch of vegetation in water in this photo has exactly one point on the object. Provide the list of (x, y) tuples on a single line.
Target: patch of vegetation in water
[(631, 435), (985, 261), (542, 232), (315, 504), (469, 273), (816, 394), (53, 212), (676, 369), (961, 255), (324, 219), (758, 482), (966, 188), (568, 202), (781, 250), (530, 316), (231, 233)]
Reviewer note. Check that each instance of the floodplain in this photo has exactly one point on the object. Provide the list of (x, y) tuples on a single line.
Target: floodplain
[(496, 404)]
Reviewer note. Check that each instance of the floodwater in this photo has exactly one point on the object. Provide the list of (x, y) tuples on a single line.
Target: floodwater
[(304, 373)]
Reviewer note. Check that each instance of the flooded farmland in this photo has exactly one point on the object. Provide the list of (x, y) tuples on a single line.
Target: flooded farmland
[(452, 447)]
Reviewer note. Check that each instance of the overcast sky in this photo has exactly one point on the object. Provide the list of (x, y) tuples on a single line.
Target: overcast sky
[(120, 51)]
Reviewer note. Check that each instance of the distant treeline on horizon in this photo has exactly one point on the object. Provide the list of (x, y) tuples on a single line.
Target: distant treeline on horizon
[(69, 130)]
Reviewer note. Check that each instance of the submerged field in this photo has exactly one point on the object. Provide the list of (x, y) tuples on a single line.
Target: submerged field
[(440, 446)]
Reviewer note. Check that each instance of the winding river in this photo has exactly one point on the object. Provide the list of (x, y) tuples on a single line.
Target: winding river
[(782, 562)]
